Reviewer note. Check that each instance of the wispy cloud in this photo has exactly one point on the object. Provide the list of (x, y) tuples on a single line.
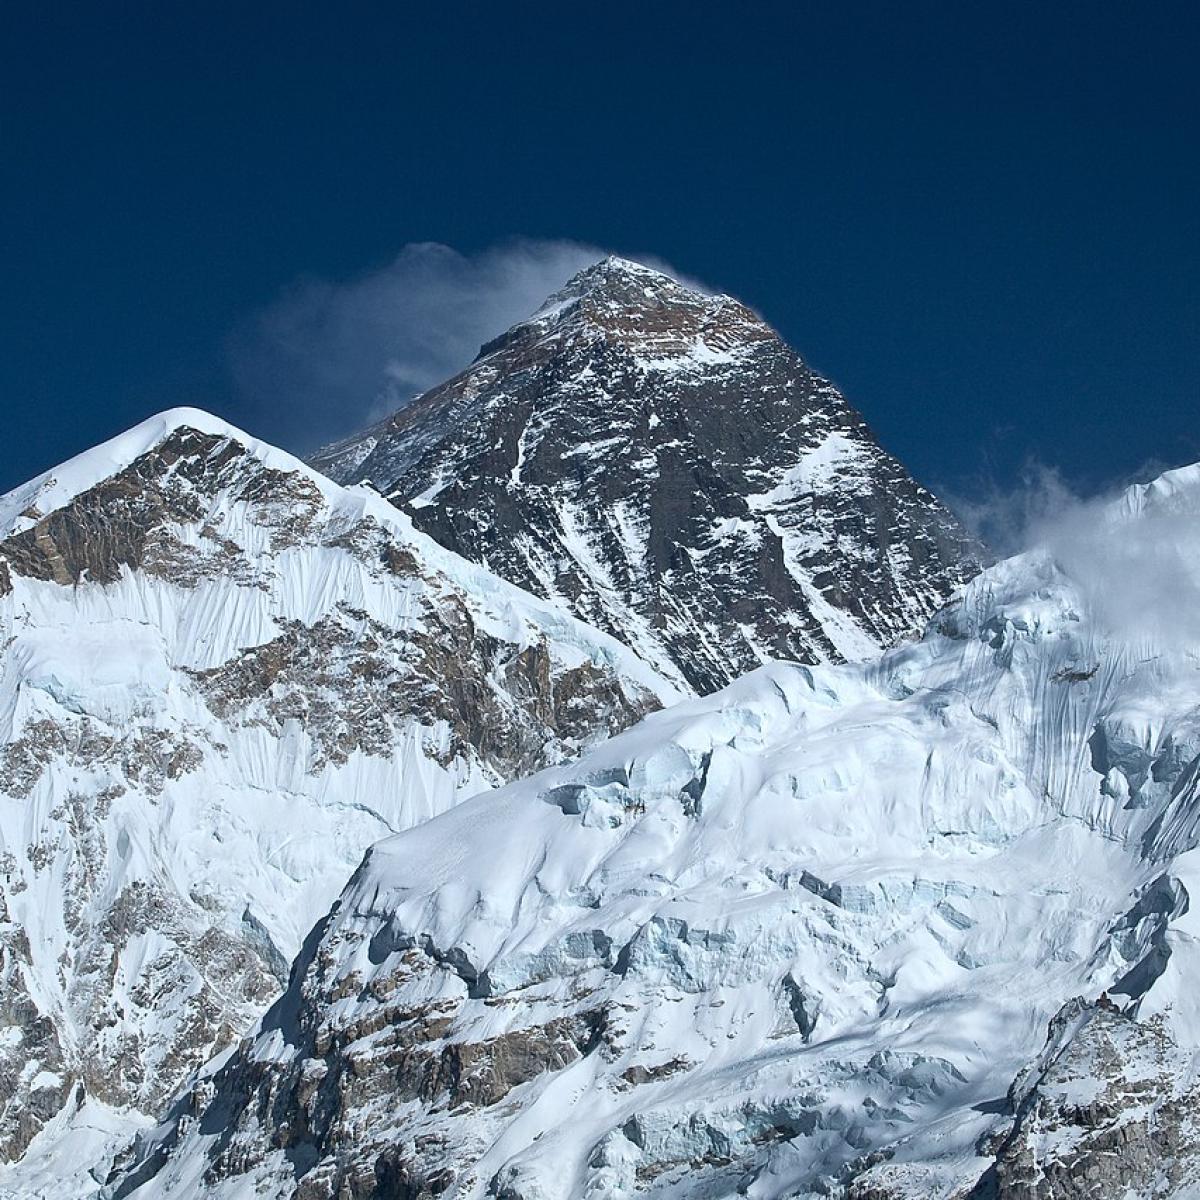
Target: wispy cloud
[(1133, 553), (1135, 559), (328, 357), (1007, 517)]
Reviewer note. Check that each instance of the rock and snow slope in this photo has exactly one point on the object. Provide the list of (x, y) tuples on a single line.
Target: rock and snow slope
[(224, 676), (802, 937), (664, 466)]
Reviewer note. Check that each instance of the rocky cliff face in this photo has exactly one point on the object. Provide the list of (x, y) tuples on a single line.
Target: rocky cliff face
[(794, 939), (660, 463), (1110, 1108), (223, 678)]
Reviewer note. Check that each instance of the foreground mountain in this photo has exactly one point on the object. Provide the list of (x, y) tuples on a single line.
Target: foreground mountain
[(919, 928), (223, 678), (664, 466)]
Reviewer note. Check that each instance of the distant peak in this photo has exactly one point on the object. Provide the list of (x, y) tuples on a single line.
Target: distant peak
[(616, 266), (615, 284), (627, 301), (617, 262), (615, 274)]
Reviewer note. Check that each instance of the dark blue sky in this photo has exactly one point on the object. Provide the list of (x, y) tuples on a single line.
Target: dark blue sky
[(983, 221)]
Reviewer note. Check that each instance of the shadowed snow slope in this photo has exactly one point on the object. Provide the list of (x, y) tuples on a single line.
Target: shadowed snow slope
[(794, 939), (223, 678), (660, 463)]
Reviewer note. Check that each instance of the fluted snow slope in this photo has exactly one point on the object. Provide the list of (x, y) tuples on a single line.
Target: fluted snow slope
[(794, 939), (224, 676)]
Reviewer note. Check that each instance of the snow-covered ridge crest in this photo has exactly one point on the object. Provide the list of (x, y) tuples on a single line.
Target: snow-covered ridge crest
[(794, 939), (666, 320), (614, 280), (52, 489), (23, 507)]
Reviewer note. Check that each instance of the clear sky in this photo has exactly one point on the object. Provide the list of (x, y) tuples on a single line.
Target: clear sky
[(982, 221)]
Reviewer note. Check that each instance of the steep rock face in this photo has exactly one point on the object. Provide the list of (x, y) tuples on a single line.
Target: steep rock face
[(1111, 1107), (795, 939), (223, 678), (664, 466)]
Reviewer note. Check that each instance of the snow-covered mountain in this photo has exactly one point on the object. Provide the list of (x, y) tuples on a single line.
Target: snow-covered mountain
[(914, 928), (660, 463), (223, 678)]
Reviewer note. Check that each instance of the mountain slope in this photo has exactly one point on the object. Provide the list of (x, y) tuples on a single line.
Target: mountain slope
[(663, 465), (797, 938), (224, 677)]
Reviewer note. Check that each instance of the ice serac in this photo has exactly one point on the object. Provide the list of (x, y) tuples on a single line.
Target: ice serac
[(921, 928), (658, 461), (224, 676)]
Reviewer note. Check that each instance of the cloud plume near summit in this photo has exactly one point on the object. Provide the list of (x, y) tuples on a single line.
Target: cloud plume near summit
[(327, 356)]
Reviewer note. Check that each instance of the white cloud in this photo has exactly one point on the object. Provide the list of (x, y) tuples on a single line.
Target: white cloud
[(1136, 559), (1140, 572), (328, 357), (1006, 518)]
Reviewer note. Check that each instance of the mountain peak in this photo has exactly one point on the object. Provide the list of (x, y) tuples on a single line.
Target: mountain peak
[(616, 270), (25, 505), (619, 300), (224, 677), (616, 284), (659, 462)]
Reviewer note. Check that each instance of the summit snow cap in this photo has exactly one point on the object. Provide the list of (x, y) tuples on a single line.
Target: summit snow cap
[(618, 278), (630, 302)]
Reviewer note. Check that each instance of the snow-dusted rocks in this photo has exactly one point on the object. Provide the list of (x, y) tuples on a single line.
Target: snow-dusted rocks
[(794, 939), (660, 463), (1111, 1107), (223, 678)]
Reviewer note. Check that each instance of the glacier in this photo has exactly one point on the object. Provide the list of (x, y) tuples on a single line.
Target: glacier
[(914, 927)]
